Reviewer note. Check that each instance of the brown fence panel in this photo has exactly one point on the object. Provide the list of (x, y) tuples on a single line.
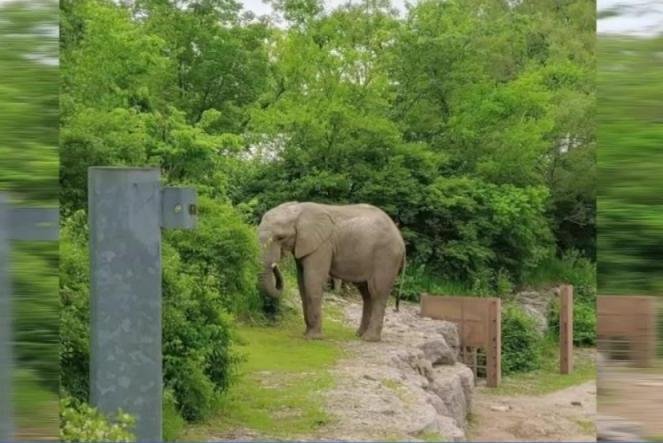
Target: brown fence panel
[(630, 320), (479, 326)]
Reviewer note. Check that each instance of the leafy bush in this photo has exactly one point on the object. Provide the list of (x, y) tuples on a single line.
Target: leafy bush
[(521, 342), (80, 422), (173, 423), (419, 279), (222, 253), (75, 306), (584, 322), (196, 338), (198, 362), (572, 268)]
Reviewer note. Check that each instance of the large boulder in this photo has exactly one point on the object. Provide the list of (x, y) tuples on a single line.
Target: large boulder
[(453, 385), (537, 304), (438, 352)]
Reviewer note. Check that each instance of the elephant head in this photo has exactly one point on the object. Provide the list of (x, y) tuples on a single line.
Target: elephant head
[(299, 228)]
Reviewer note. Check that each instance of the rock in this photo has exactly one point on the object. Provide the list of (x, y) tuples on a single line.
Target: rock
[(437, 403), (500, 408), (576, 403), (448, 428), (450, 384), (438, 352), (423, 367), (449, 331), (409, 384), (537, 304)]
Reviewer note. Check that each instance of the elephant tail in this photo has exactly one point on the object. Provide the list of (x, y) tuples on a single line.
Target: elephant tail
[(400, 284)]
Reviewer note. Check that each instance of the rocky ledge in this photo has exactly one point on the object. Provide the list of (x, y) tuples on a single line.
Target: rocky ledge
[(408, 386)]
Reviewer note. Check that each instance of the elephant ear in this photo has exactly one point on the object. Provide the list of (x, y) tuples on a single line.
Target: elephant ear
[(314, 227)]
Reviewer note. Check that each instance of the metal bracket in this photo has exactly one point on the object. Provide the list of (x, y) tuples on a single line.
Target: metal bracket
[(178, 208), (34, 224)]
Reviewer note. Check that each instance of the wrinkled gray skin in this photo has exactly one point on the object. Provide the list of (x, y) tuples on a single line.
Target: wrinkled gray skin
[(354, 243)]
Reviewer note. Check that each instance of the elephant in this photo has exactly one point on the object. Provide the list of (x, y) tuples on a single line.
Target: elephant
[(358, 244)]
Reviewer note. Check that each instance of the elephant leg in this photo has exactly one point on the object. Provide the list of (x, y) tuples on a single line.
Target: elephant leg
[(302, 294), (374, 329), (379, 286), (366, 308), (316, 271)]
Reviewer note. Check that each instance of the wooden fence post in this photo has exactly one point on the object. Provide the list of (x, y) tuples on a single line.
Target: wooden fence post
[(643, 343), (566, 329), (494, 345)]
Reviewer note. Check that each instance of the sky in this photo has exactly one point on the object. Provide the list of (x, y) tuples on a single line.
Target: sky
[(260, 8), (635, 17)]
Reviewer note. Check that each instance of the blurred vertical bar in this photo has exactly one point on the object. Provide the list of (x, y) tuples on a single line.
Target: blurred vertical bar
[(630, 218), (29, 320), (6, 431)]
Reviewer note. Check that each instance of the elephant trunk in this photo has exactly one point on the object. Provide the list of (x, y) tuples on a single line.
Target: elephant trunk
[(272, 281)]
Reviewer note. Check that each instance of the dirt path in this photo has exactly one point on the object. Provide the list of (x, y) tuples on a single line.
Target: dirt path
[(635, 395), (407, 387), (565, 415)]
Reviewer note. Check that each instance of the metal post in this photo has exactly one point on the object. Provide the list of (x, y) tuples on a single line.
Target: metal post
[(127, 210), (6, 428)]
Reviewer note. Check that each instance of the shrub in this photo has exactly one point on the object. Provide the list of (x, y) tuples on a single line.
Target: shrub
[(572, 268), (74, 306), (584, 322), (218, 276), (80, 422), (222, 252), (196, 338), (521, 342), (173, 423)]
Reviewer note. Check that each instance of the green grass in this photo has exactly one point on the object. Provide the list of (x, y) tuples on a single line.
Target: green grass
[(586, 426), (430, 436), (277, 392), (548, 379)]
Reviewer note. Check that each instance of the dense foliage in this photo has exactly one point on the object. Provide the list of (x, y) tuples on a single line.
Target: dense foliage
[(458, 124), (28, 172), (468, 121), (522, 343), (630, 133), (29, 98), (82, 423)]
